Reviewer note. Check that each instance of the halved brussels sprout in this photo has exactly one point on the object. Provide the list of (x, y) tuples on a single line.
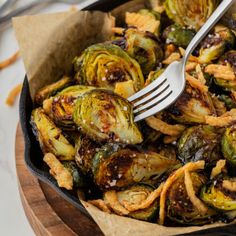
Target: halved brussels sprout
[(136, 194), (179, 207), (217, 196), (50, 136), (102, 65), (115, 167), (104, 116), (52, 89), (62, 104), (214, 45), (200, 143), (192, 106), (192, 14), (78, 178), (228, 145), (85, 151), (144, 47), (229, 57), (178, 35)]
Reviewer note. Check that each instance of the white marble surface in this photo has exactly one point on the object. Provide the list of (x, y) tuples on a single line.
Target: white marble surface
[(13, 221)]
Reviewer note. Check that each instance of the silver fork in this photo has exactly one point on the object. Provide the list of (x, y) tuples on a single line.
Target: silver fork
[(165, 90)]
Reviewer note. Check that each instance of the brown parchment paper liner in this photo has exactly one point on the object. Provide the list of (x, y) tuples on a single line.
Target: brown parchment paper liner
[(48, 43)]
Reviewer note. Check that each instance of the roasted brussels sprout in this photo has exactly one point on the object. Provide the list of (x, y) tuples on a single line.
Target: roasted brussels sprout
[(61, 107), (214, 45), (218, 194), (115, 167), (50, 137), (178, 35), (85, 151), (102, 65), (179, 207), (229, 57), (200, 142), (104, 116), (52, 89), (78, 178), (192, 14), (228, 145), (192, 106), (135, 195), (228, 101), (144, 47)]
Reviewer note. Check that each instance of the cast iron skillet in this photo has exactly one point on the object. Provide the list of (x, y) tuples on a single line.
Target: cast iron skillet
[(33, 154)]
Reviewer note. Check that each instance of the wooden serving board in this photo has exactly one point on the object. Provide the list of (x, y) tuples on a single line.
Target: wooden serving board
[(47, 212)]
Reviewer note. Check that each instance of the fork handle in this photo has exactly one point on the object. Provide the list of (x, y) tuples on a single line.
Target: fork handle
[(212, 20)]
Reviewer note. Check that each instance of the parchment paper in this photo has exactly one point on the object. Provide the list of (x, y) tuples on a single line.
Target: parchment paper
[(48, 43)]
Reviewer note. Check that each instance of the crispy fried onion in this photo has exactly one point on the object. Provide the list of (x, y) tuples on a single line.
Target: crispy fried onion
[(220, 165), (60, 173), (229, 185), (10, 60), (221, 71), (146, 203), (118, 30), (163, 127), (100, 204), (142, 22), (170, 139), (112, 201), (226, 119), (195, 83), (11, 98), (192, 195), (191, 57), (191, 166), (175, 56), (190, 66), (200, 74)]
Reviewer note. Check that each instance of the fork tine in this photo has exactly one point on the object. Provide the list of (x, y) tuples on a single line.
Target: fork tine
[(159, 107), (156, 83), (165, 93), (154, 94)]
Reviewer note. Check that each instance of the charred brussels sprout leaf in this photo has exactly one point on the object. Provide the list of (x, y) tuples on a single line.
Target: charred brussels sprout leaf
[(102, 65), (179, 207), (135, 195), (200, 143), (144, 47), (192, 106), (52, 89), (228, 145), (85, 151), (192, 14), (215, 44), (50, 137), (104, 116), (115, 167), (217, 195), (78, 178), (62, 104), (178, 35)]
